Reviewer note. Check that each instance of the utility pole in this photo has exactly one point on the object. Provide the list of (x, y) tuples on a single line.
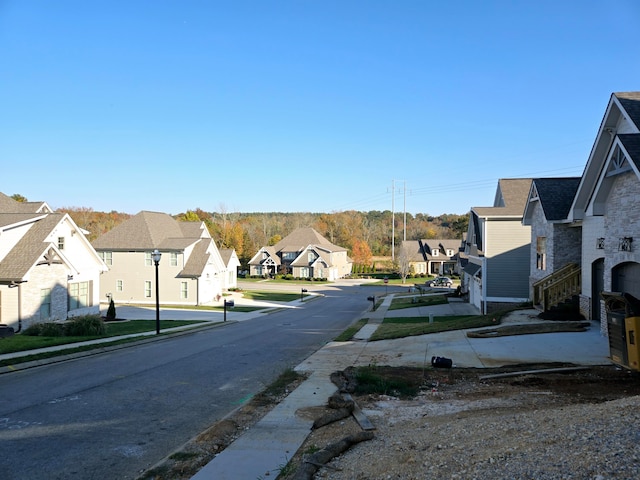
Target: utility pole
[(393, 221), (405, 212)]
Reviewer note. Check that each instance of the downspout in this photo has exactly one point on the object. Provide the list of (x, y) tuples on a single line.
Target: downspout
[(14, 285), (484, 285)]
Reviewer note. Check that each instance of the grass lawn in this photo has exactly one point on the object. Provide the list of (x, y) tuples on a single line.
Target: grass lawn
[(417, 301), (271, 296), (408, 326), (20, 343)]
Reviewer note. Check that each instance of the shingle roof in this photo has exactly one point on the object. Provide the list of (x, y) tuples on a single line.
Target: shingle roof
[(556, 195), (511, 198), (197, 260), (631, 142), (147, 231), (9, 205), (630, 101), (24, 255), (303, 237), (13, 218)]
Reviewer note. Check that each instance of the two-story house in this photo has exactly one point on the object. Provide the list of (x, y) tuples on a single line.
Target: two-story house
[(432, 256), (48, 269), (304, 253), (191, 270), (497, 249)]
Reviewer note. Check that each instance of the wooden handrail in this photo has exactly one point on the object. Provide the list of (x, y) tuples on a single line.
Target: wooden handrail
[(558, 286)]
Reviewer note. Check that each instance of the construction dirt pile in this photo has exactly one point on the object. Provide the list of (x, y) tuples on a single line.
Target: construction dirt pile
[(472, 424)]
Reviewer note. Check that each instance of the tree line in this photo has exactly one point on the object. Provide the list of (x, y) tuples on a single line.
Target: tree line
[(364, 234)]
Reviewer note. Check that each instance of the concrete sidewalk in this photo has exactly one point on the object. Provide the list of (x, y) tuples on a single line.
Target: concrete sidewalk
[(266, 447)]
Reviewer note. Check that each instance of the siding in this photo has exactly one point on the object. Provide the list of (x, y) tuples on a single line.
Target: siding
[(507, 253)]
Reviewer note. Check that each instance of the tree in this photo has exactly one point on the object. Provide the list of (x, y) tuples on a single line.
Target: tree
[(404, 263), (361, 253), (19, 198)]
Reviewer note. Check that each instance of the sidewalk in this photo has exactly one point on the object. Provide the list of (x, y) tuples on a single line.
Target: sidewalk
[(264, 449)]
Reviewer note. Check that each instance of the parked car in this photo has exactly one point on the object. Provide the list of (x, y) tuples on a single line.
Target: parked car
[(440, 282)]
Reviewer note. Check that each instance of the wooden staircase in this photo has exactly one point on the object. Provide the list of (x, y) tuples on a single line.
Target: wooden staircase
[(559, 287)]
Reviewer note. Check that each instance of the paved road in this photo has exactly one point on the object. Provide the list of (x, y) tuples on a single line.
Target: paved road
[(111, 416)]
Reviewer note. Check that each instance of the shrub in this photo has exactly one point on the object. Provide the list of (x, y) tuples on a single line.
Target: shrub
[(85, 326), (45, 329), (111, 311), (33, 330)]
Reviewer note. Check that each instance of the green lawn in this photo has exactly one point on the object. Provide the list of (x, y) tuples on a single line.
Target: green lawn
[(417, 301), (20, 342), (269, 296), (408, 326)]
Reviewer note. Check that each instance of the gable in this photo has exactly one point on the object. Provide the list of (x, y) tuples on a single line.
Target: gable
[(621, 117), (624, 157)]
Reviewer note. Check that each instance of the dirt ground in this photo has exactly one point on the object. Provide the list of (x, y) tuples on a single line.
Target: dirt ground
[(443, 393)]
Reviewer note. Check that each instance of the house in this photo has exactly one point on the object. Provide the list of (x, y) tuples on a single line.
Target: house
[(432, 256), (555, 243), (497, 249), (304, 254), (48, 269), (232, 263), (191, 270), (606, 208)]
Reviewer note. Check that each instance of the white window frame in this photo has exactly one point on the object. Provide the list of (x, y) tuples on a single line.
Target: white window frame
[(184, 290), (147, 289)]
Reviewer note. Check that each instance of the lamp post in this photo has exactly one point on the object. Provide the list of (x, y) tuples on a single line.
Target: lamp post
[(156, 260)]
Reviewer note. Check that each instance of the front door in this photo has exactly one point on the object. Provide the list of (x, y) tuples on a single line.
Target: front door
[(597, 286)]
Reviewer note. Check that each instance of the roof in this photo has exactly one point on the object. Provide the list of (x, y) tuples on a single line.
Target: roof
[(197, 260), (24, 255), (556, 195), (630, 101), (301, 238), (511, 198), (631, 143), (9, 205), (149, 230)]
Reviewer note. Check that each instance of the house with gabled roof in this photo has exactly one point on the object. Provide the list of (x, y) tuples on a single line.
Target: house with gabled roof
[(556, 244), (48, 269), (606, 207), (191, 270), (497, 248), (304, 253), (432, 256), (232, 263)]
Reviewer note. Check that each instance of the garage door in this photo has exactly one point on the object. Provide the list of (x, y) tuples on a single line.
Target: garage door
[(626, 278)]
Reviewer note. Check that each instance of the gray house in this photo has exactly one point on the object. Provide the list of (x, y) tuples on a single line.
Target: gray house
[(555, 242), (497, 249)]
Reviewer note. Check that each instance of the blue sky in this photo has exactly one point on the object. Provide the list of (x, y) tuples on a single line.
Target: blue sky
[(316, 106)]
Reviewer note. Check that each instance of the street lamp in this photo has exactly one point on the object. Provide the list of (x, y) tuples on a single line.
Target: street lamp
[(156, 260)]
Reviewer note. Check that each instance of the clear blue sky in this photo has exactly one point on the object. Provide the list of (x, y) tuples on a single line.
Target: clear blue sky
[(301, 105)]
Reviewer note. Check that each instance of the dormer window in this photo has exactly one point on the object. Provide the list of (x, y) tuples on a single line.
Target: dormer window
[(435, 253)]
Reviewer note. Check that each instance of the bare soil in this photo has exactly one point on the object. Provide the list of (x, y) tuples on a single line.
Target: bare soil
[(401, 438)]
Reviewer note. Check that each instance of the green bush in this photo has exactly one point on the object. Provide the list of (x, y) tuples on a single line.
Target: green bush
[(45, 329), (85, 326)]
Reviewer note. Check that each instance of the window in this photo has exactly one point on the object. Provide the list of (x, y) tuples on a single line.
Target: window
[(119, 285), (541, 253), (45, 303), (289, 255), (184, 290), (449, 252), (435, 252), (174, 259), (148, 261), (107, 257), (78, 295), (61, 243), (311, 256), (147, 289)]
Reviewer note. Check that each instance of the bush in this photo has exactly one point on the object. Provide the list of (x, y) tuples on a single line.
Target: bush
[(85, 326), (45, 329), (111, 311)]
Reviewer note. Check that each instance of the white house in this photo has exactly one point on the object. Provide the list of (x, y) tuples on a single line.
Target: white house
[(48, 269)]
